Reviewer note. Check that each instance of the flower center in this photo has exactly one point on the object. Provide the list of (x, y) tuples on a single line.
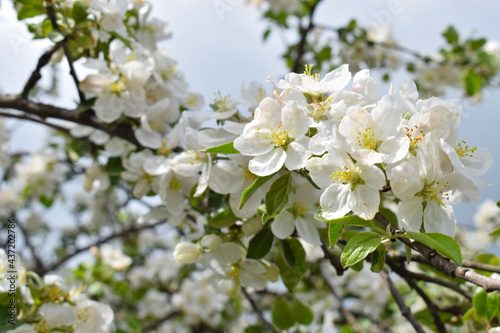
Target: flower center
[(280, 138), (117, 87), (464, 151), (415, 136), (298, 210), (366, 139), (308, 72), (175, 185), (435, 192), (320, 108), (347, 176)]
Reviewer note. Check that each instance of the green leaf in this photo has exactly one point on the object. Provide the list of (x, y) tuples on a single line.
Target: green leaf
[(225, 148), (489, 259), (408, 254), (252, 188), (468, 315), (301, 313), (389, 215), (359, 247), (266, 35), (378, 259), (55, 36), (334, 232), (277, 196), (260, 244), (223, 219), (87, 105), (486, 304), (451, 35), (79, 12), (473, 82), (476, 43), (46, 201), (114, 166), (495, 233), (291, 276), (196, 201), (28, 11), (324, 55), (282, 315), (443, 244), (349, 219)]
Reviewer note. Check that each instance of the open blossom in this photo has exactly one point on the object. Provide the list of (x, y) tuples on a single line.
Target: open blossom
[(349, 186), (276, 136), (423, 179)]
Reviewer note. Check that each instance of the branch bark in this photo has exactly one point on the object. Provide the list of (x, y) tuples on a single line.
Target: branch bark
[(49, 111), (257, 310), (443, 264)]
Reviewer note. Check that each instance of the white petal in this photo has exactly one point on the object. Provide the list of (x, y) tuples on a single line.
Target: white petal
[(295, 120), (410, 214), (439, 219), (307, 231), (254, 143), (268, 163), (283, 225), (334, 201), (296, 154)]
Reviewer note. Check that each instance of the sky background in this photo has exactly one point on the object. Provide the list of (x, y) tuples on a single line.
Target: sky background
[(221, 52)]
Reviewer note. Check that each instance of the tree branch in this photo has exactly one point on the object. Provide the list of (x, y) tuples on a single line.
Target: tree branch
[(401, 303), (334, 260), (36, 75), (120, 234), (49, 111), (49, 6), (443, 264), (257, 310)]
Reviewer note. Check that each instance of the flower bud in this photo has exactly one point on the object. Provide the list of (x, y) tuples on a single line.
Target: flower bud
[(211, 242), (186, 253)]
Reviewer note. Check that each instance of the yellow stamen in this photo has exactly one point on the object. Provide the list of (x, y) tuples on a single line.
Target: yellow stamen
[(464, 151)]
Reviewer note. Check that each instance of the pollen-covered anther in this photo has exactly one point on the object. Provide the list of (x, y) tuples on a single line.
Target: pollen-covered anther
[(280, 138), (463, 150), (366, 139)]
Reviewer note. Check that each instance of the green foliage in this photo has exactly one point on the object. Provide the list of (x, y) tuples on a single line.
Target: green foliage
[(378, 259), (225, 148), (291, 262), (443, 244), (224, 219), (489, 259), (252, 188), (486, 305), (286, 315), (334, 232), (358, 247), (260, 244), (277, 197)]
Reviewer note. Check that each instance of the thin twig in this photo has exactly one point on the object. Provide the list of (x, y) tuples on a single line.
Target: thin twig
[(154, 325), (36, 75), (122, 233), (258, 311), (27, 240), (334, 260), (304, 32), (405, 311), (49, 6)]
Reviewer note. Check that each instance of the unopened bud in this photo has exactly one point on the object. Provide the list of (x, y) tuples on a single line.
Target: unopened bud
[(186, 253)]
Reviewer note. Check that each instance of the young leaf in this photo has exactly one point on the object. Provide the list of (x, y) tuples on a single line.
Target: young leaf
[(359, 247), (260, 244), (334, 232), (301, 313), (225, 148), (443, 244), (378, 259), (282, 315), (55, 36), (291, 276), (277, 196), (223, 219), (252, 188)]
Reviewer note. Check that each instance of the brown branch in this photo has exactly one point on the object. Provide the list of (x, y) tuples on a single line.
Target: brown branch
[(36, 75), (257, 310), (154, 325), (481, 266), (334, 260), (351, 319), (49, 111), (122, 233), (36, 120), (49, 6), (304, 32), (395, 261), (443, 264), (405, 311), (434, 310), (27, 240)]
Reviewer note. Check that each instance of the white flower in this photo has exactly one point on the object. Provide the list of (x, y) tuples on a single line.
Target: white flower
[(299, 214), (421, 179), (114, 258), (349, 186), (25, 328), (96, 179), (154, 303), (332, 82), (56, 315), (276, 136), (93, 317), (186, 253)]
